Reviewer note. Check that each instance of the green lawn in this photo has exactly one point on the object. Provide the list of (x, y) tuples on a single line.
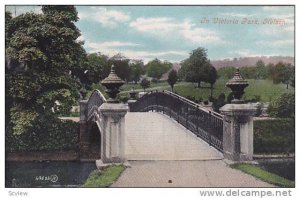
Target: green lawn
[(264, 89), (264, 175), (104, 178)]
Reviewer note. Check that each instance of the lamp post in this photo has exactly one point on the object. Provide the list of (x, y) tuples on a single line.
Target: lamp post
[(237, 85), (112, 84)]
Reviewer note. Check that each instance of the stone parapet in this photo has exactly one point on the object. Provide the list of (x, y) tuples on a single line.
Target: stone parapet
[(238, 131)]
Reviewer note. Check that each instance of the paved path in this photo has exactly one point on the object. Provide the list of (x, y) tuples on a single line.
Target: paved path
[(154, 136), (211, 173), (162, 153)]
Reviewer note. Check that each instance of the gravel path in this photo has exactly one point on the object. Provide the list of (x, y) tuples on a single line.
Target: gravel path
[(211, 173)]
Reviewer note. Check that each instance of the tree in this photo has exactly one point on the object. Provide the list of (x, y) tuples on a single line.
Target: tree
[(261, 71), (44, 65), (121, 64), (145, 83), (283, 106), (98, 67), (156, 68), (211, 76), (226, 72), (194, 66), (172, 78), (136, 70)]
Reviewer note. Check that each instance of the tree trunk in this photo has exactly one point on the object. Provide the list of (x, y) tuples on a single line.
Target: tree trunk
[(287, 85), (211, 90), (172, 87), (199, 84)]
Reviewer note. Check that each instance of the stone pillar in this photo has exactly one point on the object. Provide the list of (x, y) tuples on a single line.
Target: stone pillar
[(83, 138), (238, 131), (112, 122)]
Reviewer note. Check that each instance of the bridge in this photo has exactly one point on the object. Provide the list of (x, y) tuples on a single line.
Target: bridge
[(112, 131)]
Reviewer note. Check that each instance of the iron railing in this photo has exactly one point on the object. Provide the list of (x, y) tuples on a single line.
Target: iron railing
[(204, 123)]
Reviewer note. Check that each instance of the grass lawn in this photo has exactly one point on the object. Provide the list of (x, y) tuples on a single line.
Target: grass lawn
[(104, 178), (264, 175), (264, 89)]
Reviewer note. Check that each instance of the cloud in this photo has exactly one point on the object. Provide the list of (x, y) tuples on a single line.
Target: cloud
[(165, 27), (250, 53), (271, 8), (107, 18), (111, 48)]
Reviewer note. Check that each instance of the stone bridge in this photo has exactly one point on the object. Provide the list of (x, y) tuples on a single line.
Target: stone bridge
[(111, 132)]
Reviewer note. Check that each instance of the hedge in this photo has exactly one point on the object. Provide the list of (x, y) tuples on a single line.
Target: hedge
[(274, 136), (47, 134)]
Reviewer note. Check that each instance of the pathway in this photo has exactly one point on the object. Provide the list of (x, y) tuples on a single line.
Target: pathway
[(162, 153)]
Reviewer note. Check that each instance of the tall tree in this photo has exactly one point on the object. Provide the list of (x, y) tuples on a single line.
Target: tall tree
[(136, 70), (194, 66), (211, 76), (44, 64), (172, 78), (121, 64), (261, 71), (157, 68), (145, 83)]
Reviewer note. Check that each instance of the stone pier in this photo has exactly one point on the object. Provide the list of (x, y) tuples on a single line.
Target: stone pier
[(238, 131)]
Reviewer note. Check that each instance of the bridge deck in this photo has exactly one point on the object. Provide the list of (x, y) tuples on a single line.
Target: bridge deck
[(154, 136)]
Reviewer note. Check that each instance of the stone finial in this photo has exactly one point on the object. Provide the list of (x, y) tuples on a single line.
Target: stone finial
[(112, 83), (237, 85)]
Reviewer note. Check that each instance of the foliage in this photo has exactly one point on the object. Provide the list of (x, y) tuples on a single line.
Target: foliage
[(157, 68), (261, 70), (264, 175), (172, 78), (121, 64), (105, 177), (274, 136), (248, 72), (136, 70), (283, 106), (226, 72), (281, 73), (98, 67), (145, 83), (197, 68), (45, 134), (45, 65)]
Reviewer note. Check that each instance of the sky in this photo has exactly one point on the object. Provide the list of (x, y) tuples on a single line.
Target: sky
[(172, 32)]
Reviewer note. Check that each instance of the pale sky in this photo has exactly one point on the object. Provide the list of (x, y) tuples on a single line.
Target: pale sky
[(172, 32)]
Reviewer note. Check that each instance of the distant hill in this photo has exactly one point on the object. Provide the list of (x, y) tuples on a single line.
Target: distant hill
[(249, 61)]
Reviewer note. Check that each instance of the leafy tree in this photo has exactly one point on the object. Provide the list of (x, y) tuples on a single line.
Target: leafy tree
[(281, 73), (45, 65), (145, 83), (248, 72), (193, 68), (157, 68), (283, 106), (172, 78), (261, 71), (98, 67), (121, 64), (211, 76), (226, 72), (136, 70)]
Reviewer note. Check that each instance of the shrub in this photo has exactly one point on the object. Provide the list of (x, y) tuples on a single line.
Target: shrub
[(274, 136), (283, 106), (46, 134)]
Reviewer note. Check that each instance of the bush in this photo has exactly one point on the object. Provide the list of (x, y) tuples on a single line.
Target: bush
[(46, 134), (274, 136), (283, 106)]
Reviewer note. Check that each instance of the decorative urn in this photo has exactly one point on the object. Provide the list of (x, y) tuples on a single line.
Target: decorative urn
[(237, 85), (112, 83)]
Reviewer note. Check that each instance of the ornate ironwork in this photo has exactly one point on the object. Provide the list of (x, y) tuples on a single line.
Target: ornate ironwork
[(94, 102), (206, 124), (112, 83), (237, 84)]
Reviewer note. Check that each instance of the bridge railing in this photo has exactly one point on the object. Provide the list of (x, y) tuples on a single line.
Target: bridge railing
[(204, 123), (94, 102)]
